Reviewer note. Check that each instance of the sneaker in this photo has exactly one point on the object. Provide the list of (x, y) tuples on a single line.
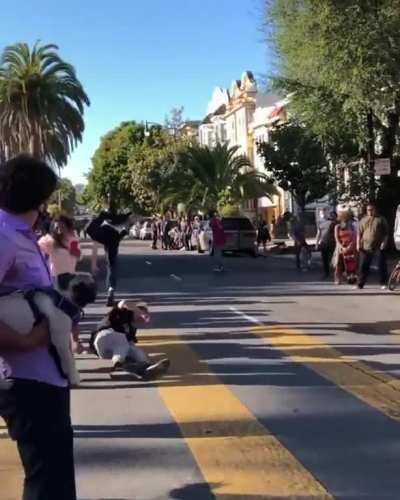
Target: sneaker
[(110, 298), (156, 370), (383, 287)]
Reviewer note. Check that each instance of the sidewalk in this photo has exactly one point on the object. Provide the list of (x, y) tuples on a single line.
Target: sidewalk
[(11, 475)]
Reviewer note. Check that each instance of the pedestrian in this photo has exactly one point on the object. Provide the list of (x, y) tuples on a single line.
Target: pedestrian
[(195, 237), (40, 420), (154, 232), (108, 229), (61, 246), (166, 228), (325, 241), (296, 231), (373, 235), (188, 233), (263, 234), (345, 255), (219, 240)]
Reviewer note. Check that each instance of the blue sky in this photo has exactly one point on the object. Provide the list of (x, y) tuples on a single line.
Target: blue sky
[(139, 58)]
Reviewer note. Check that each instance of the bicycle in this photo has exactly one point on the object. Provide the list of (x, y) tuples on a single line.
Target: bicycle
[(394, 279)]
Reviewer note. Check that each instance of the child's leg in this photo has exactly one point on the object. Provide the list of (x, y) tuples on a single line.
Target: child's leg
[(138, 355)]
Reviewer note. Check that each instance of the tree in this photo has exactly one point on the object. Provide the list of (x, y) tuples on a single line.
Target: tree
[(41, 103), (343, 57), (107, 180), (64, 196), (174, 120), (132, 169), (295, 161), (219, 176)]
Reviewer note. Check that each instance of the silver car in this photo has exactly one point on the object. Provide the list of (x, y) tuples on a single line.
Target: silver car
[(240, 234)]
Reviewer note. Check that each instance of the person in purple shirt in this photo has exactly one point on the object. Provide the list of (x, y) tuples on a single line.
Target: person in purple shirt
[(40, 422)]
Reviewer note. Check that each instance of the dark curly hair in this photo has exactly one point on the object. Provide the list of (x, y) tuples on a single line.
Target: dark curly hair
[(25, 184)]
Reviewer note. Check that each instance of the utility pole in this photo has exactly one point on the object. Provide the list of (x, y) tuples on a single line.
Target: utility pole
[(371, 156)]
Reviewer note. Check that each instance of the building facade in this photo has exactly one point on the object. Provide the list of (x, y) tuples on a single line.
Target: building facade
[(244, 117)]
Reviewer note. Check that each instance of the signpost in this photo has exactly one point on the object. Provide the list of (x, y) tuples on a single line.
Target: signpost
[(382, 166)]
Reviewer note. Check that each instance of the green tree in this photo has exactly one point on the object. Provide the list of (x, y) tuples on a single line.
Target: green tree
[(219, 176), (65, 197), (107, 180), (295, 161), (41, 103), (342, 60), (133, 169)]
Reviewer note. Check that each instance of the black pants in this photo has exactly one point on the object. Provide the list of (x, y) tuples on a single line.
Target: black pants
[(41, 425), (326, 256), (365, 266), (111, 250)]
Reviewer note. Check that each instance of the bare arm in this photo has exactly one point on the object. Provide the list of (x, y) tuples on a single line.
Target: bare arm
[(386, 238), (13, 341), (318, 240), (337, 237)]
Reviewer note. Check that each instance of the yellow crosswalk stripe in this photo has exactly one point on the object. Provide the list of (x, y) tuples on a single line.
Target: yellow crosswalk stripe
[(381, 391), (238, 457)]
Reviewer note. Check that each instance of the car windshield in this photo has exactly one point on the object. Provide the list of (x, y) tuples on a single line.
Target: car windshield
[(239, 223)]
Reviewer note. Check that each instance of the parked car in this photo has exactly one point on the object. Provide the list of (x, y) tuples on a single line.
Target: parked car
[(146, 232), (240, 234)]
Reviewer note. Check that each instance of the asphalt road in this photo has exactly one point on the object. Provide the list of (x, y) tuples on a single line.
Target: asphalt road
[(281, 386)]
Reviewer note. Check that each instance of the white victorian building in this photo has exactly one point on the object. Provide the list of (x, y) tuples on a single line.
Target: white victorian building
[(243, 117)]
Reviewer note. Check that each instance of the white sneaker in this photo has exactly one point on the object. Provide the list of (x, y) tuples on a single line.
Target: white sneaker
[(383, 287)]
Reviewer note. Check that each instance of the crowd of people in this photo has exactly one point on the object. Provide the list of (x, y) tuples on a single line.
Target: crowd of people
[(347, 244), (181, 234)]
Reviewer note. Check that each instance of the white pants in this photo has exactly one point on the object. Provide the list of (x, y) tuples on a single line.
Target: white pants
[(113, 345)]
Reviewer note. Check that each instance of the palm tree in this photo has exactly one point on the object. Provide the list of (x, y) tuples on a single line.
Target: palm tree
[(222, 176), (41, 103)]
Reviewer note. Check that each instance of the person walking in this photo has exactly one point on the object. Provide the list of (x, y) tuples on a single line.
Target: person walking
[(39, 419), (296, 231), (263, 234), (219, 240), (108, 229), (154, 232), (373, 235), (345, 256), (188, 234), (325, 241)]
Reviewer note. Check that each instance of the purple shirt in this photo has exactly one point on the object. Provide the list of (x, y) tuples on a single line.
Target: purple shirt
[(22, 266)]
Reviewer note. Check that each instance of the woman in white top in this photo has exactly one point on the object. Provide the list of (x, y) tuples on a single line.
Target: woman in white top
[(61, 246)]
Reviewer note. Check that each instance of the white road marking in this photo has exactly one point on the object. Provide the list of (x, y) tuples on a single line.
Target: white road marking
[(250, 319), (175, 277), (149, 263)]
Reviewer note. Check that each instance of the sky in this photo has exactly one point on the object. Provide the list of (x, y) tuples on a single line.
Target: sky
[(137, 59)]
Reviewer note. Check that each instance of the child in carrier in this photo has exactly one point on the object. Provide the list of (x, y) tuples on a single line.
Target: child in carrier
[(345, 257)]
